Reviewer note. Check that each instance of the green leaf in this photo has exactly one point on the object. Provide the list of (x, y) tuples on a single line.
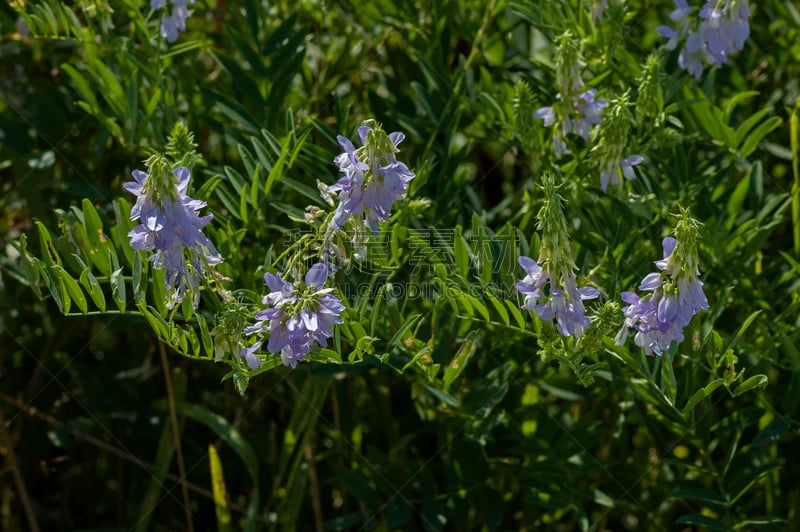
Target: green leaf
[(756, 381), (118, 289), (228, 200), (701, 520), (515, 311), (421, 353), (500, 308), (276, 172), (740, 332), (668, 381), (139, 279), (159, 276), (205, 335), (483, 248), (699, 494), (701, 394), (157, 323), (30, 273), (241, 80), (218, 488), (243, 204), (92, 287), (477, 305), (49, 250), (443, 396), (100, 248), (460, 360), (73, 289), (745, 481), (460, 249), (254, 186), (738, 98), (760, 521), (398, 336), (232, 110), (83, 88), (750, 123), (56, 288), (758, 135), (122, 212)]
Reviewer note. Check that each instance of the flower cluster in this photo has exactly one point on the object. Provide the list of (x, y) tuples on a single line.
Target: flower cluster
[(565, 299), (677, 295), (174, 20), (575, 111), (722, 29), (585, 113), (550, 286), (169, 224), (373, 177), (613, 143), (296, 317)]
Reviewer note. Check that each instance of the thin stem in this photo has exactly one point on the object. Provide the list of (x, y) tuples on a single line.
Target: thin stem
[(315, 491), (18, 480), (176, 437), (104, 312)]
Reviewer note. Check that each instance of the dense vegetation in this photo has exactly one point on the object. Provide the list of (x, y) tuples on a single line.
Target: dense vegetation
[(578, 134)]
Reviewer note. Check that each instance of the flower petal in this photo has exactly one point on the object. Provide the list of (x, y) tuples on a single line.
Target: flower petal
[(317, 275)]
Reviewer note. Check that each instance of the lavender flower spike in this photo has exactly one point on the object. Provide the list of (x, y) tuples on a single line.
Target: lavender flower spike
[(170, 225), (721, 28), (297, 316), (565, 305), (676, 295), (550, 286), (374, 179)]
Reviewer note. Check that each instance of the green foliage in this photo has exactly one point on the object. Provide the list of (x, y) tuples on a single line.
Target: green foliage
[(439, 403)]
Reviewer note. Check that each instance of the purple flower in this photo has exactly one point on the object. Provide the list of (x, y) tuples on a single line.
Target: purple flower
[(175, 21), (351, 186), (590, 110), (296, 317), (373, 177), (249, 355), (612, 171), (677, 295), (547, 114), (564, 303), (579, 117), (679, 15), (170, 225), (530, 286), (722, 29)]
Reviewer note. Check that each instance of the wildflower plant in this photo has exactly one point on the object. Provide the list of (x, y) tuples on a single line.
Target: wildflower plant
[(550, 285), (373, 177), (449, 291), (676, 293), (169, 225), (576, 110)]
